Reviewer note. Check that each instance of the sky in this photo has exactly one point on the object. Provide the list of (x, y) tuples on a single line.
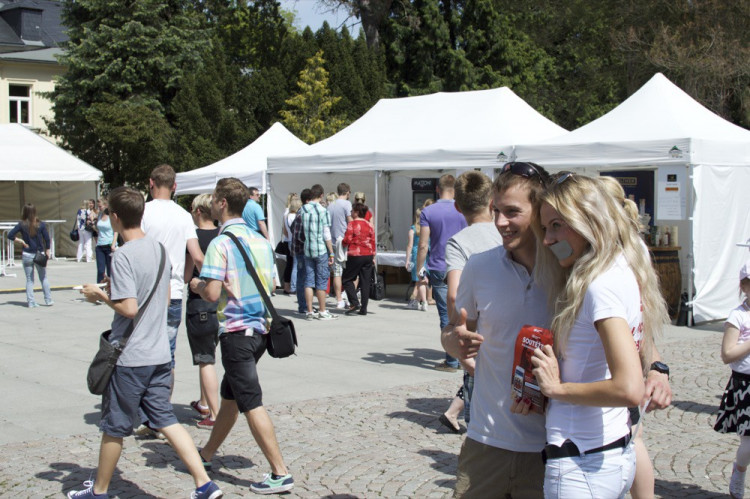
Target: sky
[(312, 13)]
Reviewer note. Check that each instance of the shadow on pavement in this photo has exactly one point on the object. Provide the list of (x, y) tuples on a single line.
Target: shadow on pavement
[(666, 488), (425, 358), (93, 418), (15, 304), (445, 462), (71, 477), (425, 413), (696, 407)]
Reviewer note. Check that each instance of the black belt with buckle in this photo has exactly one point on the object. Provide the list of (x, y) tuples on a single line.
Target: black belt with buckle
[(569, 449)]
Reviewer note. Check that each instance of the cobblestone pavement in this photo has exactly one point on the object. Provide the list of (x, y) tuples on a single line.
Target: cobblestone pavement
[(382, 444)]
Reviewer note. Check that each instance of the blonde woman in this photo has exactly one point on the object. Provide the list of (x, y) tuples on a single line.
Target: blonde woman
[(418, 299), (84, 236), (658, 390), (359, 197), (607, 307), (202, 338), (290, 271)]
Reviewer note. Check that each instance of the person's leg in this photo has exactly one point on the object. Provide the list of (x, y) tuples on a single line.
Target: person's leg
[(643, 483), (262, 429), (293, 279), (27, 260), (101, 262), (174, 317), (109, 453), (440, 293), (225, 420), (310, 267), (182, 443), (365, 277), (86, 236), (209, 383), (321, 272), (486, 471), (42, 271), (81, 244), (108, 260), (350, 273)]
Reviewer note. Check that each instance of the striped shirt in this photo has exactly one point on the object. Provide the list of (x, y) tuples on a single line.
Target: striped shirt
[(240, 305), (315, 219)]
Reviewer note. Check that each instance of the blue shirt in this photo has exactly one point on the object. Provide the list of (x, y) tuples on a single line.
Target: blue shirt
[(106, 234), (42, 237), (253, 213)]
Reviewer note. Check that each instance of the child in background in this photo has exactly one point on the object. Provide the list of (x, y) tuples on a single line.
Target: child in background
[(734, 411)]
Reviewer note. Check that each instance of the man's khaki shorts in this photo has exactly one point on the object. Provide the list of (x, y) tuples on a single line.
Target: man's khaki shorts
[(486, 471)]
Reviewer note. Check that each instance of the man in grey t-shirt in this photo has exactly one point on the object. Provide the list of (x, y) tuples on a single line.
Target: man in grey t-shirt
[(473, 198), (341, 214), (143, 375)]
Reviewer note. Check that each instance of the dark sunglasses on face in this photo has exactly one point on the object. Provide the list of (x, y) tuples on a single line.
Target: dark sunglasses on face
[(523, 169)]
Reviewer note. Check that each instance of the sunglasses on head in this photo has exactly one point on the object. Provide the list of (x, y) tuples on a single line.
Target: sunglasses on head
[(522, 169), (561, 177)]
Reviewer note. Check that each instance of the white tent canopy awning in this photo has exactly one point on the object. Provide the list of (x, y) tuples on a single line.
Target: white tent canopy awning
[(28, 157), (436, 131), (658, 125), (663, 128), (248, 164)]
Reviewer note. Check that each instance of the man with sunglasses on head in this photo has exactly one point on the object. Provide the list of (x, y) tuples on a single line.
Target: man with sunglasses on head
[(501, 456)]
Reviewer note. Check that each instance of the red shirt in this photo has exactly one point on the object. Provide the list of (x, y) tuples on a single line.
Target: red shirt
[(360, 237)]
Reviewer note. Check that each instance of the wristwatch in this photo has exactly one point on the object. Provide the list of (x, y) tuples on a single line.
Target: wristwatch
[(660, 367)]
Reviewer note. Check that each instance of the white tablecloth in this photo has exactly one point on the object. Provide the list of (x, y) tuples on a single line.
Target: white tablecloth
[(392, 258)]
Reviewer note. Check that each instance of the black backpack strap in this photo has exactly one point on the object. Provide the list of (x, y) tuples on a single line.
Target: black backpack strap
[(254, 274)]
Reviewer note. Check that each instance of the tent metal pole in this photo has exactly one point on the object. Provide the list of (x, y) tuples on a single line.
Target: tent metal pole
[(691, 247), (377, 214)]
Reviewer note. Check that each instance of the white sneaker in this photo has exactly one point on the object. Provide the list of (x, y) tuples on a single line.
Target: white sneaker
[(737, 483), (341, 305), (413, 305), (423, 306), (326, 316), (311, 315)]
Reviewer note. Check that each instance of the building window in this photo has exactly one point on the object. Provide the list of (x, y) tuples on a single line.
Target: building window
[(20, 104)]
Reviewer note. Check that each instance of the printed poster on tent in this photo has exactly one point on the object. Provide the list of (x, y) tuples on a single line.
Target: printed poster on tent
[(671, 197)]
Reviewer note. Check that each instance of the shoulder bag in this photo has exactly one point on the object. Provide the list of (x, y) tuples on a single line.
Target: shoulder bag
[(282, 339), (40, 258), (105, 360), (74, 231)]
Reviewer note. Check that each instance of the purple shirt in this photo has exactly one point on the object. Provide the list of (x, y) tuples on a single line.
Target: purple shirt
[(444, 221)]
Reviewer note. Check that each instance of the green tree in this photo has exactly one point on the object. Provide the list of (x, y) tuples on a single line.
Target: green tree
[(126, 60), (309, 111)]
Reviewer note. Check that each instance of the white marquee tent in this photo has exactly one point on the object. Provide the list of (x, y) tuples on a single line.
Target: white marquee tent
[(33, 170), (404, 138), (662, 128), (248, 164)]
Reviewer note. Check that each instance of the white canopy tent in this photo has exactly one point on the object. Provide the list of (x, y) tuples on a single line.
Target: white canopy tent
[(404, 138), (34, 170), (248, 164), (662, 128)]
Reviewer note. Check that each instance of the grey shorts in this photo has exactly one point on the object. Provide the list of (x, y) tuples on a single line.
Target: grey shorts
[(130, 387)]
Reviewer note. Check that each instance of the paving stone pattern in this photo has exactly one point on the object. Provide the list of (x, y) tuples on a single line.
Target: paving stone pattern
[(381, 444)]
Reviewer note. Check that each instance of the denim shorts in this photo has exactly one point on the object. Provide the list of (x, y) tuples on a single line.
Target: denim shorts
[(130, 387), (174, 317), (317, 272), (603, 474), (239, 356)]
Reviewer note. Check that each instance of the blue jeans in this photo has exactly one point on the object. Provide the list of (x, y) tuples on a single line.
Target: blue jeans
[(103, 261), (606, 474), (299, 260), (174, 317), (440, 294), (27, 259)]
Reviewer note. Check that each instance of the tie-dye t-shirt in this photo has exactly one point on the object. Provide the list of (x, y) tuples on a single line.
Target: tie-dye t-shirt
[(240, 305)]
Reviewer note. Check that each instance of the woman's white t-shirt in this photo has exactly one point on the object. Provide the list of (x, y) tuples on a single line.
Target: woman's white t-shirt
[(288, 219), (740, 318), (614, 293)]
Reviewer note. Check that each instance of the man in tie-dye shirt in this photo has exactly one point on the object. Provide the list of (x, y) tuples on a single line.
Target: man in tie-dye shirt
[(243, 326)]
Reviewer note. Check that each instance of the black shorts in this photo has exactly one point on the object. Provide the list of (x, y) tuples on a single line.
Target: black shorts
[(239, 356), (202, 337)]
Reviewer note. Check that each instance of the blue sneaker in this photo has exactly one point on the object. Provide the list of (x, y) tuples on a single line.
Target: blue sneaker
[(87, 493), (269, 485), (210, 491)]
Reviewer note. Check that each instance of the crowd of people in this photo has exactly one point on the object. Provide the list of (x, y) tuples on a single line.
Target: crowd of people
[(560, 252)]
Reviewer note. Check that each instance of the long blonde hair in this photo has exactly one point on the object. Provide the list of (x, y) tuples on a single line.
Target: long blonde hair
[(417, 215), (600, 219), (614, 189)]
